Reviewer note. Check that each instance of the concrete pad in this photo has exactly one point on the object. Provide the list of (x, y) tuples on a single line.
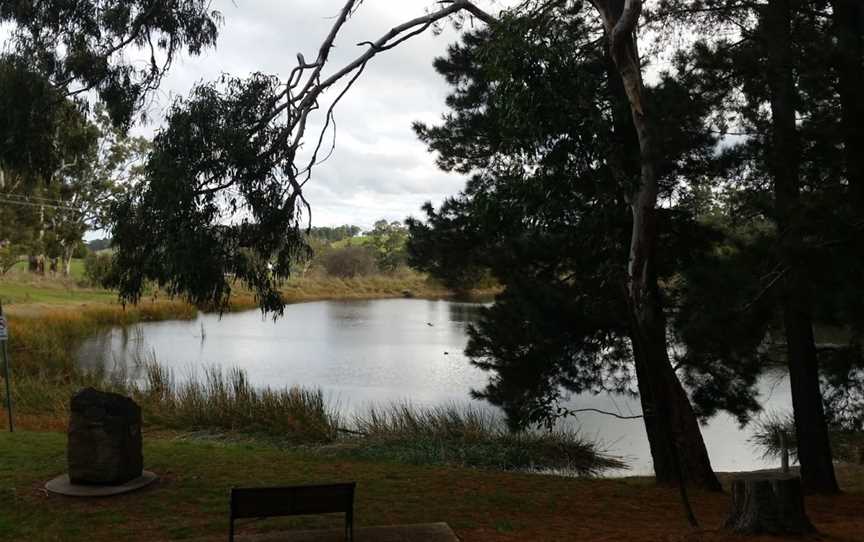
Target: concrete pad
[(62, 486), (421, 532)]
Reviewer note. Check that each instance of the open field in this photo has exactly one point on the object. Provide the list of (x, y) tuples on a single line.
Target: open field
[(191, 499), (18, 289)]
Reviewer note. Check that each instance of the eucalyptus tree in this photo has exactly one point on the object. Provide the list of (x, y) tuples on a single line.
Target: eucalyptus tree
[(108, 167), (84, 51), (223, 198)]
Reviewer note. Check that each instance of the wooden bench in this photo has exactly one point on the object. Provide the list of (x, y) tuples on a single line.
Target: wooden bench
[(264, 502)]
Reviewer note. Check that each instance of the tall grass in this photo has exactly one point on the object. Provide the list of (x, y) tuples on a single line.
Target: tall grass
[(46, 340), (216, 400), (319, 286), (225, 400), (469, 436)]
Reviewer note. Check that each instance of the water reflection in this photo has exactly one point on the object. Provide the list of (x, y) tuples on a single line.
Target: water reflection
[(360, 352)]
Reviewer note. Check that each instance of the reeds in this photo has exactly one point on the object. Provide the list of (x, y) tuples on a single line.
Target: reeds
[(470, 436), (46, 340), (225, 400)]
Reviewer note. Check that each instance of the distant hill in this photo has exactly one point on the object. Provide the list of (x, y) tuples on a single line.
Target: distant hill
[(99, 244)]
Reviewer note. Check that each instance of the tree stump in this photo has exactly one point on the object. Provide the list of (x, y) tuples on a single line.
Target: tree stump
[(768, 504)]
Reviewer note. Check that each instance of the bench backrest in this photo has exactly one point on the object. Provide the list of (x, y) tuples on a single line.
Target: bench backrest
[(260, 502)]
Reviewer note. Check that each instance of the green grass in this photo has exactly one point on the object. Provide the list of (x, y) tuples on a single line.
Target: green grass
[(52, 293), (20, 288), (77, 268), (191, 499)]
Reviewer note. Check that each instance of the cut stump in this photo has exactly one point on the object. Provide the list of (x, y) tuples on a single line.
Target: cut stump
[(768, 504)]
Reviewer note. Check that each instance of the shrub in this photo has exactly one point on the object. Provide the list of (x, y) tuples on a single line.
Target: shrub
[(98, 267), (349, 261)]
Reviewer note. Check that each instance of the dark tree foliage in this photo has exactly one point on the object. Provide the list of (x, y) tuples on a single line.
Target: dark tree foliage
[(534, 114), (29, 117), (63, 55), (790, 76), (78, 45), (446, 245), (213, 208)]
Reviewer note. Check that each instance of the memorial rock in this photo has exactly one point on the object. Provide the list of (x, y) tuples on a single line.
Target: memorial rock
[(104, 439)]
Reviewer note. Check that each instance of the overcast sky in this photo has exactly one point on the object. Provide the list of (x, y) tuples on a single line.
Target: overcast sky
[(379, 168)]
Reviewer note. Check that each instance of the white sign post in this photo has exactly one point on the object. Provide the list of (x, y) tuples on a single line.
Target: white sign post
[(4, 336)]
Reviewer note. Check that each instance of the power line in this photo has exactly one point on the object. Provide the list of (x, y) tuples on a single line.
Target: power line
[(40, 205), (31, 197)]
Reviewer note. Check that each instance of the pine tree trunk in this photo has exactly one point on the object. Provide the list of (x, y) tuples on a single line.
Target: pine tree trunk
[(676, 441), (848, 30), (814, 449)]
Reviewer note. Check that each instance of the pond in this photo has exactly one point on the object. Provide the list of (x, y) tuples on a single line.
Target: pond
[(379, 351)]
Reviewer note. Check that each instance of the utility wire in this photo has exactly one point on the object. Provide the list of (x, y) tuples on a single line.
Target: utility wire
[(25, 197), (40, 205)]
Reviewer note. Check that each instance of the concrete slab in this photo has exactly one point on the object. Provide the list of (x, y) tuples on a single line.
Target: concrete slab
[(421, 532), (62, 486)]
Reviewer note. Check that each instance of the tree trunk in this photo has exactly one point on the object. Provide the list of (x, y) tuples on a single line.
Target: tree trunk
[(68, 250), (676, 441), (814, 449), (848, 30)]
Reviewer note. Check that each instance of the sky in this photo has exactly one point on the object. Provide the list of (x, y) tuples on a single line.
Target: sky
[(379, 168)]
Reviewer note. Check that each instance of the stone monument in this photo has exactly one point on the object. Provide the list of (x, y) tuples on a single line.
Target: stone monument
[(105, 446)]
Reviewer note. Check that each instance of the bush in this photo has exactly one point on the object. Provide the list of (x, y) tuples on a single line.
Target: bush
[(349, 261), (98, 267), (80, 251)]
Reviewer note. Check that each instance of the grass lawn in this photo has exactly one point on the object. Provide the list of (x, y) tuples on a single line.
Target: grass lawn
[(77, 268), (19, 287), (191, 499)]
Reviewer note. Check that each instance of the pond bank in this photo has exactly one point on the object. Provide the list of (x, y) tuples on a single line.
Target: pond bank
[(223, 402), (48, 315)]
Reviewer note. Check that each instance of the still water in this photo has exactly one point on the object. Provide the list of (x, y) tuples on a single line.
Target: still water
[(379, 351)]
